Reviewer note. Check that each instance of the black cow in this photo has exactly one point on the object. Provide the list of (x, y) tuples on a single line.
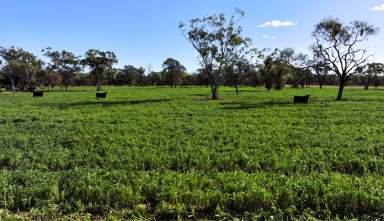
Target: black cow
[(301, 99), (101, 95), (38, 94)]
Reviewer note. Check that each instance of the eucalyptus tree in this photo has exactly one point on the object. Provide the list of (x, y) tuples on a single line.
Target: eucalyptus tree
[(371, 72), (321, 70), (243, 61), (42, 73), (339, 45), (237, 71), (100, 64), (301, 67), (216, 39), (277, 67), (19, 65), (173, 72), (130, 75), (65, 63)]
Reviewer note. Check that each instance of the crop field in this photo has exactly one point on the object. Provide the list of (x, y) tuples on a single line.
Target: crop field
[(164, 154)]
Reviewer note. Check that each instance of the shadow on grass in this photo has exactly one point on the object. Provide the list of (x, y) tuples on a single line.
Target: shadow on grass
[(241, 91), (201, 95), (363, 99), (67, 91), (103, 103), (247, 105)]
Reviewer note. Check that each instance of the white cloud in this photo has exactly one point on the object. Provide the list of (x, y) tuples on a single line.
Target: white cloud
[(277, 24), (269, 37), (378, 8)]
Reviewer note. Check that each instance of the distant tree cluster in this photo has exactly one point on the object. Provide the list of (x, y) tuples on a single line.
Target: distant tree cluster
[(226, 58)]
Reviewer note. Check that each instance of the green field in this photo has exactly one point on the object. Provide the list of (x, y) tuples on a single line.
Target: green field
[(161, 153)]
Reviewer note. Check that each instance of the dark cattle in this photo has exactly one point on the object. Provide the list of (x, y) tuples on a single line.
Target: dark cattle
[(38, 94), (101, 95), (301, 99)]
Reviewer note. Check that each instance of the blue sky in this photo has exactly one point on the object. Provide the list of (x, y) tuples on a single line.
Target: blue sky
[(143, 32)]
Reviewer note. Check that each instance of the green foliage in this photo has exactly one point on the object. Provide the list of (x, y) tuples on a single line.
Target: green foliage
[(20, 66), (65, 63), (160, 153), (173, 72), (218, 41), (100, 64)]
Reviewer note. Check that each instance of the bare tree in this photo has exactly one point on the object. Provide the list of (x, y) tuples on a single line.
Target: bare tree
[(338, 44)]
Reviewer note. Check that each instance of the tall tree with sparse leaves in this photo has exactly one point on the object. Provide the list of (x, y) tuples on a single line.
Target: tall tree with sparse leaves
[(215, 38), (340, 45)]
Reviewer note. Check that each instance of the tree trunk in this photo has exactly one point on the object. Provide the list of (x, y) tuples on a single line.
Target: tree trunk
[(341, 90), (237, 88), (98, 85), (13, 86), (366, 85), (215, 92), (321, 85)]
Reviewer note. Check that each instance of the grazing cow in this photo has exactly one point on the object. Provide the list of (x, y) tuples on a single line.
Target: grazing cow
[(101, 95), (301, 99), (38, 94)]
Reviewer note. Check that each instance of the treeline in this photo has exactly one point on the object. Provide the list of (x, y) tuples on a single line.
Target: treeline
[(226, 58), (22, 70)]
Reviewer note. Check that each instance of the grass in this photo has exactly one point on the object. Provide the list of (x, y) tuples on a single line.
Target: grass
[(161, 153)]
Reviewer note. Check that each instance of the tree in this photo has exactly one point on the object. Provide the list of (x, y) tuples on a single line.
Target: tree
[(276, 67), (215, 38), (154, 78), (371, 72), (254, 77), (65, 63), (321, 69), (301, 69), (241, 63), (110, 75), (20, 66), (130, 75), (338, 44), (42, 74), (100, 63), (173, 72)]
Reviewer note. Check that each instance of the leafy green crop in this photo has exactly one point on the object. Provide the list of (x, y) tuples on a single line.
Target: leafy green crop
[(161, 153)]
